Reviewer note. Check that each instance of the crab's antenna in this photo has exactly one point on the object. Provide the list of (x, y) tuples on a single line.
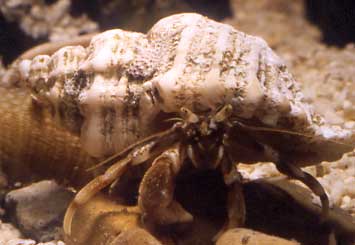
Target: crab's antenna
[(135, 154), (284, 131), (174, 119), (161, 136)]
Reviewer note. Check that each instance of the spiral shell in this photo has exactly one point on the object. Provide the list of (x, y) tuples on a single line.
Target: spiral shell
[(112, 91)]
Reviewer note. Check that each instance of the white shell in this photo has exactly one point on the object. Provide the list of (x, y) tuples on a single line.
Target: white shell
[(114, 89)]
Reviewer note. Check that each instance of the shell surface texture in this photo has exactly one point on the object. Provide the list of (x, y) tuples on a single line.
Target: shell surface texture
[(191, 91)]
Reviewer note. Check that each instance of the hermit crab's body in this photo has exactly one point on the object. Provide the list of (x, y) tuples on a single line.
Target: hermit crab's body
[(191, 89)]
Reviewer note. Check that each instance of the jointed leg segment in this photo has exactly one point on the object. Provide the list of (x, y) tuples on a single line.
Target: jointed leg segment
[(296, 172), (312, 183), (92, 188), (236, 210), (138, 154), (156, 192), (236, 203)]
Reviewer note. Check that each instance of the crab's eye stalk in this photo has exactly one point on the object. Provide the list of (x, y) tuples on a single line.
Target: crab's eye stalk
[(188, 115), (224, 113)]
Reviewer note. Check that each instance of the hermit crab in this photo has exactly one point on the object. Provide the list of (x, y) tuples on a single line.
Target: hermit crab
[(191, 91)]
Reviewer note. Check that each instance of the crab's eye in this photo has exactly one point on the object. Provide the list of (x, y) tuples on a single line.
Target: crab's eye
[(188, 115), (224, 113), (184, 110)]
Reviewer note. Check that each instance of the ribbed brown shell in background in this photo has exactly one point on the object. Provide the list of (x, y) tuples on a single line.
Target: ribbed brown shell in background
[(27, 130)]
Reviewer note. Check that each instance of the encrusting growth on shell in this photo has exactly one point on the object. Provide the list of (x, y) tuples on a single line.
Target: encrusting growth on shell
[(112, 91)]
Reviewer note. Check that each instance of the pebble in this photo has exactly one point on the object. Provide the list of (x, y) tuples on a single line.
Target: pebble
[(38, 209)]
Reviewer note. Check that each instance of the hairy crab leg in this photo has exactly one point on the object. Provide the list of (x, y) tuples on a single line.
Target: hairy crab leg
[(192, 156), (92, 188), (307, 179), (236, 205), (236, 210), (235, 200), (156, 191), (142, 152), (290, 169), (233, 179)]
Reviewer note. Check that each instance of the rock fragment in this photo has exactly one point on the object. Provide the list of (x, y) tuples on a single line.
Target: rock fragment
[(40, 20), (245, 236), (38, 209), (8, 232)]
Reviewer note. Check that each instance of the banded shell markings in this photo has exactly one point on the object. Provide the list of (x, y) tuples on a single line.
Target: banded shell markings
[(112, 91)]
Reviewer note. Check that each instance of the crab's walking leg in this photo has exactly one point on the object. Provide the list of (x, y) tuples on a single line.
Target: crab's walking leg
[(136, 154), (233, 179), (92, 188), (295, 172), (156, 192), (235, 200), (236, 210), (111, 174)]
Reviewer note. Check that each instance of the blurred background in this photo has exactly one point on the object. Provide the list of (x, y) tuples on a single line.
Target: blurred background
[(25, 23)]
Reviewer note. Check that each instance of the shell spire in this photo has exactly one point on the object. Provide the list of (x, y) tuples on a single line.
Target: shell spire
[(112, 91)]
